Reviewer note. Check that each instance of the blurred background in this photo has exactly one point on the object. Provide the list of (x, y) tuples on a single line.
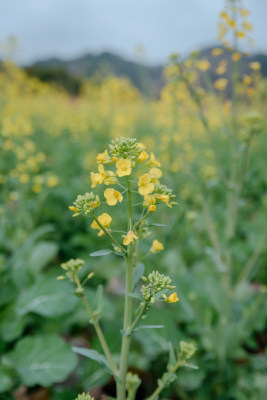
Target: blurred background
[(189, 80)]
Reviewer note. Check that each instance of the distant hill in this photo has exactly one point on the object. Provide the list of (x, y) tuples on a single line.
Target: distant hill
[(148, 79), (88, 66)]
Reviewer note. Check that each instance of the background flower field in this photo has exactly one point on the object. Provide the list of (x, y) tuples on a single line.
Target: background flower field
[(211, 144)]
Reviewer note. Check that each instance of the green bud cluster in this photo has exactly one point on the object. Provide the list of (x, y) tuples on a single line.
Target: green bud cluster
[(84, 396), (187, 350), (132, 384), (72, 267), (163, 189), (254, 122), (156, 282), (85, 203), (125, 148)]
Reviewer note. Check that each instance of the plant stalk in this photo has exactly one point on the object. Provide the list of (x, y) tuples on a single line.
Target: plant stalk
[(121, 386)]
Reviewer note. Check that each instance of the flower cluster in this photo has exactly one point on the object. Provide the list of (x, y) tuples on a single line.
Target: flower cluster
[(234, 20), (187, 350), (124, 155), (72, 267), (84, 396), (156, 283)]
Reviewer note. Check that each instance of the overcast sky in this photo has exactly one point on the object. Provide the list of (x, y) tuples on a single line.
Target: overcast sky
[(70, 28)]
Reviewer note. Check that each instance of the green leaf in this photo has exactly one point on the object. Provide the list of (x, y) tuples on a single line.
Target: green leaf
[(148, 327), (42, 360), (191, 366), (11, 326), (48, 297), (94, 355), (154, 224), (136, 296), (101, 253), (172, 356), (41, 255), (138, 273), (5, 381)]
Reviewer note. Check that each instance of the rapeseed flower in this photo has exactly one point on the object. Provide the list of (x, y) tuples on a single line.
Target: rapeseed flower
[(156, 246), (129, 238), (105, 220), (153, 161), (155, 174), (221, 84), (145, 185), (124, 167), (255, 65), (143, 156), (173, 298), (112, 196), (104, 158)]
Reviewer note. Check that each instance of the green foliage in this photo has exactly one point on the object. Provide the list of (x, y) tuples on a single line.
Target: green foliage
[(42, 360)]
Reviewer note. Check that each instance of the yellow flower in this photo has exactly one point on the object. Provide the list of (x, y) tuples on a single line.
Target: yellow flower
[(244, 12), (140, 146), (173, 298), (255, 65), (145, 185), (153, 161), (247, 79), (102, 176), (221, 84), (98, 177), (220, 70), (52, 181), (105, 220), (247, 26), (236, 56), (217, 52), (123, 167), (203, 65), (155, 174), (104, 158), (240, 34), (113, 196), (74, 209), (143, 156), (156, 246), (231, 23), (129, 238), (110, 178), (165, 198), (149, 200), (152, 208)]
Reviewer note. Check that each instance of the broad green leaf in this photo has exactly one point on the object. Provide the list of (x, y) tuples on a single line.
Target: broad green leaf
[(11, 325), (48, 297), (94, 355), (5, 381), (101, 253), (42, 360), (41, 255), (138, 273)]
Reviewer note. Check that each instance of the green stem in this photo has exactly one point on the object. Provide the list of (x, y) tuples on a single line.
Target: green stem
[(137, 319), (121, 386), (164, 383), (99, 331), (108, 234)]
